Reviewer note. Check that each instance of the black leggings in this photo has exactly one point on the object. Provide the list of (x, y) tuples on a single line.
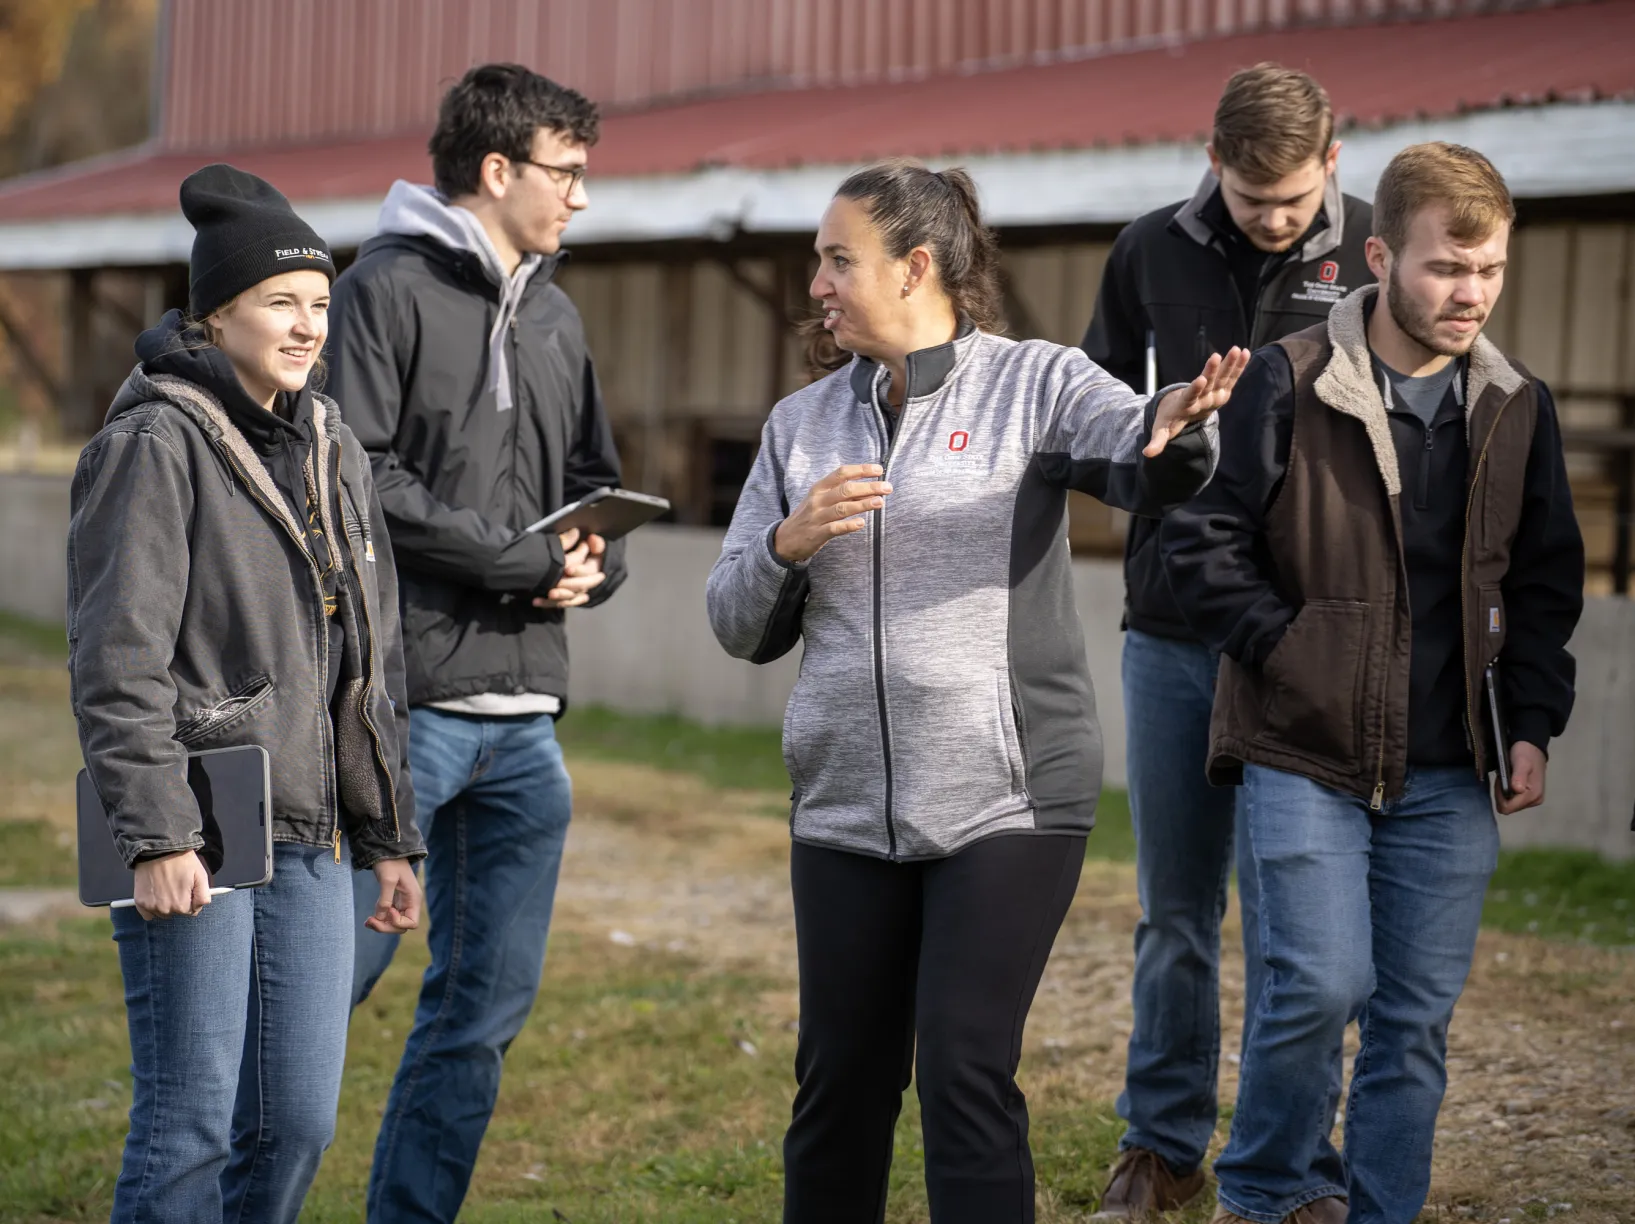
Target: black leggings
[(950, 950)]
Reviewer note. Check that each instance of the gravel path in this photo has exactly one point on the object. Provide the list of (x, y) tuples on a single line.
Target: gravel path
[(1540, 1112)]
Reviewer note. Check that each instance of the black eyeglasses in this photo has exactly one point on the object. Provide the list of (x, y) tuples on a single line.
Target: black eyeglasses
[(576, 174)]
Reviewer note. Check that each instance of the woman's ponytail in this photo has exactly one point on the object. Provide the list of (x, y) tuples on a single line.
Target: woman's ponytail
[(911, 205), (977, 294)]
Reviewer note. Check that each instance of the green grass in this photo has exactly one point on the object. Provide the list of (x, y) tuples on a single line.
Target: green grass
[(737, 758), (21, 635), (1563, 894), (626, 1097), (64, 1078), (1113, 838), (33, 854)]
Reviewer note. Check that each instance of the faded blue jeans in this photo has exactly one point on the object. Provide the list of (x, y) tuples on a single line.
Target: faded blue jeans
[(1366, 915), (238, 1033), (493, 799), (1184, 834)]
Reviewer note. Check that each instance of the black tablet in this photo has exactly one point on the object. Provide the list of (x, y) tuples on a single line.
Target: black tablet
[(233, 787), (1500, 729), (609, 513)]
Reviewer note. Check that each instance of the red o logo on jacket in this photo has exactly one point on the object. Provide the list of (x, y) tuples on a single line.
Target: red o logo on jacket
[(1329, 272), (958, 440)]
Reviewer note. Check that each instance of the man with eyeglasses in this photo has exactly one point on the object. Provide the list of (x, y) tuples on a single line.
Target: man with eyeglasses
[(463, 371)]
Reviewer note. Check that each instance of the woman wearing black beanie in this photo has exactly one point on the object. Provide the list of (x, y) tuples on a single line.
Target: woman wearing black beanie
[(231, 583)]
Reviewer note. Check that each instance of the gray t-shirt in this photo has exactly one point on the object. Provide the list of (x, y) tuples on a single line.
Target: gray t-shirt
[(1423, 395)]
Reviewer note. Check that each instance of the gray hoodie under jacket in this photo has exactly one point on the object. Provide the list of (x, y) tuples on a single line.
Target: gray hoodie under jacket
[(944, 693), (196, 619)]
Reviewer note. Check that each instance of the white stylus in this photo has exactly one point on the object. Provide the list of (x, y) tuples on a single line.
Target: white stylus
[(130, 902)]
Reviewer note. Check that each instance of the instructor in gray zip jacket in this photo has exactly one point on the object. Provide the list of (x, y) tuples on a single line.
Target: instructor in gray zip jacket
[(906, 518)]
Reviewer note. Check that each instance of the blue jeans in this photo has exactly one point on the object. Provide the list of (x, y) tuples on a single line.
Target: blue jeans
[(238, 1034), (493, 799), (1366, 915), (1184, 835)]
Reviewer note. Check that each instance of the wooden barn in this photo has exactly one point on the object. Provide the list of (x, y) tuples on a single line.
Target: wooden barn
[(729, 122)]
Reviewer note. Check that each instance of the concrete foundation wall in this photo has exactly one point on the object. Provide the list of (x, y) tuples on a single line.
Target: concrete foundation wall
[(1590, 786), (650, 650), (33, 545)]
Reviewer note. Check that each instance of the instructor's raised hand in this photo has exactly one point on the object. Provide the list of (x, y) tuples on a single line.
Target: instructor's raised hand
[(1197, 400), (833, 507)]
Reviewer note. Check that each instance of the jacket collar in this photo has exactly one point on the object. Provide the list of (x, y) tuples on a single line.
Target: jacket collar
[(925, 371), (465, 264), (1347, 383), (206, 411), (1189, 218)]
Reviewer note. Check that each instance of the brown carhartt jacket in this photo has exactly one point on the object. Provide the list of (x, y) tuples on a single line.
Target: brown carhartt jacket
[(1330, 701)]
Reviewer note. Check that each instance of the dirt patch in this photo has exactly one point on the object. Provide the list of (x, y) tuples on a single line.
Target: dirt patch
[(1541, 1102)]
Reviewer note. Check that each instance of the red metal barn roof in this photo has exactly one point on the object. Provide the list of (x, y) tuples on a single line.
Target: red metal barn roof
[(266, 71), (1376, 75)]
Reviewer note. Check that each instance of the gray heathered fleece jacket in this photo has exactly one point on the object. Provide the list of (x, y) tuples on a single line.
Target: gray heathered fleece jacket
[(944, 695)]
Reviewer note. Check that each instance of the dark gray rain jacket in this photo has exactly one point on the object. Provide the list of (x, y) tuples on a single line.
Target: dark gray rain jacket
[(417, 328)]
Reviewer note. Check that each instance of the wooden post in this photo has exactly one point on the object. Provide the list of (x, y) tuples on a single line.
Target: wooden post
[(786, 281), (1623, 501), (669, 379), (175, 288), (80, 416)]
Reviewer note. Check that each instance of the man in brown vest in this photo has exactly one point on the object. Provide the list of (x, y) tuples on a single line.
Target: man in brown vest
[(1389, 537)]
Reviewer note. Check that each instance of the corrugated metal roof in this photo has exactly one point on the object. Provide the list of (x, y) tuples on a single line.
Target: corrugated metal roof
[(1376, 75), (259, 71)]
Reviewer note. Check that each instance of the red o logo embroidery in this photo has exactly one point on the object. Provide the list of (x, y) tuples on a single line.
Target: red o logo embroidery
[(958, 440), (1329, 272)]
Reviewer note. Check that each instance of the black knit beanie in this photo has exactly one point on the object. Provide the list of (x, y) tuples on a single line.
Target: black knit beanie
[(244, 232)]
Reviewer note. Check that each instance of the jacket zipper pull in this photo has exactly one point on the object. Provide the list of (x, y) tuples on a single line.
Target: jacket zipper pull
[(337, 844), (1374, 805)]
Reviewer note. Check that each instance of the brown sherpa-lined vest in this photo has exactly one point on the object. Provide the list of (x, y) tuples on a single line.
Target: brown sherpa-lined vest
[(1331, 701)]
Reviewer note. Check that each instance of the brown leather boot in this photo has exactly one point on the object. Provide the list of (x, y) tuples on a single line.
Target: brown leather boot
[(1142, 1185), (1323, 1211)]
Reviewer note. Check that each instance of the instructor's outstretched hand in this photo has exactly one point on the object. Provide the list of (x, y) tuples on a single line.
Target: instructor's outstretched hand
[(1196, 401), (834, 506)]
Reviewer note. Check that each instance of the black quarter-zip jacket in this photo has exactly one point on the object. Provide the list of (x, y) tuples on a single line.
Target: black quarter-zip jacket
[(1176, 273)]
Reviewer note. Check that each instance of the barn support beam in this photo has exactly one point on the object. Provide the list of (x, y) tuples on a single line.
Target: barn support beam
[(31, 361), (80, 416)]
